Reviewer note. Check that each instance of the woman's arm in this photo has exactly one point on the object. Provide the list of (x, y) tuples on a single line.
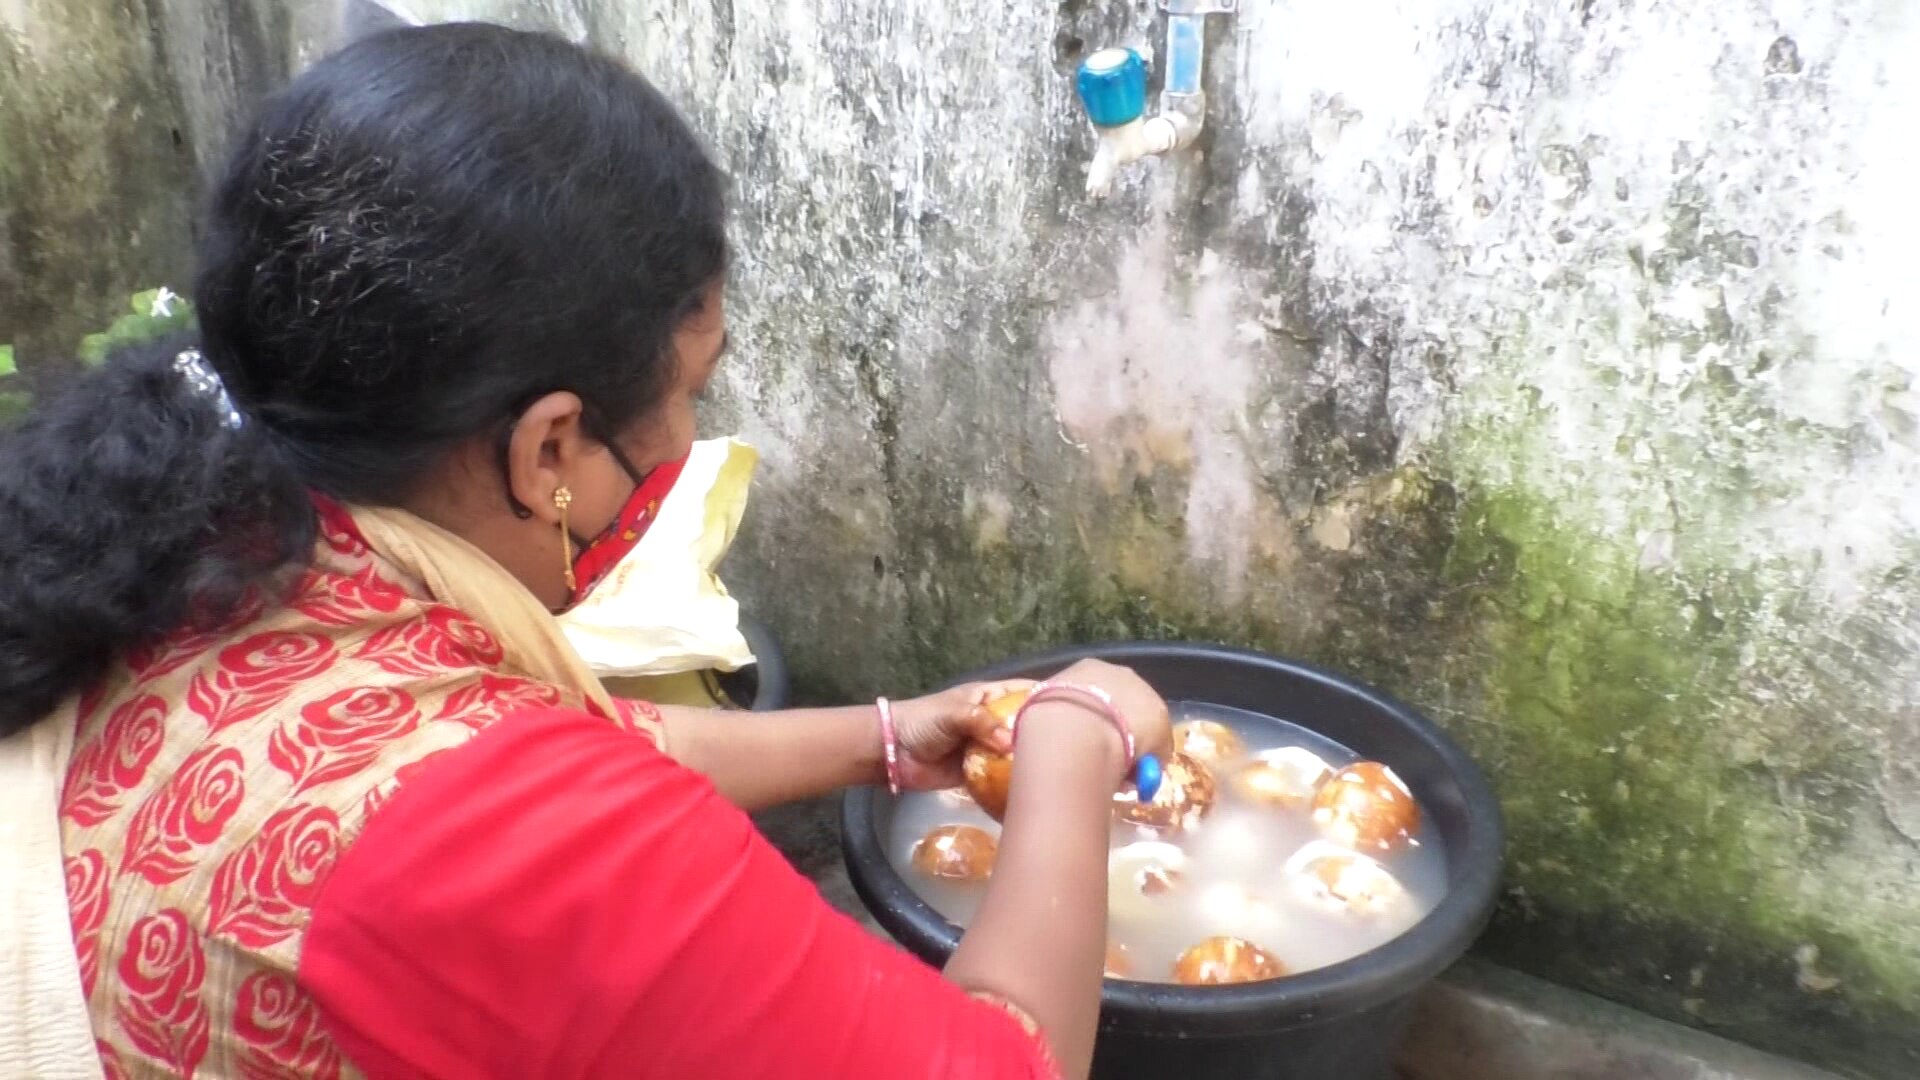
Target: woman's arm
[(557, 898), (1040, 938), (757, 760), (1053, 852)]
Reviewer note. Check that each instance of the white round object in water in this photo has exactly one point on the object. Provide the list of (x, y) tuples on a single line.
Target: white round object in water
[(1343, 880), (1140, 875), (1286, 778)]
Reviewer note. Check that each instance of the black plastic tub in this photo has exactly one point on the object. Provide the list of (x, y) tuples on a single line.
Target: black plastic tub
[(1342, 1022), (762, 685)]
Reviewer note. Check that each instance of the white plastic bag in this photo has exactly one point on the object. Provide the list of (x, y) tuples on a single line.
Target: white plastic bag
[(663, 610)]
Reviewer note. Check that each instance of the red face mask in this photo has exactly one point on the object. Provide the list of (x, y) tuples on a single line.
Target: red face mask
[(597, 557)]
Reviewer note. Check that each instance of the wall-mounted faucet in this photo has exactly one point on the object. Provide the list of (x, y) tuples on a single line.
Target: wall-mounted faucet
[(1113, 88)]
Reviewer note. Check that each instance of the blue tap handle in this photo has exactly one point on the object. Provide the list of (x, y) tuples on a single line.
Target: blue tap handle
[(1113, 87), (1147, 776)]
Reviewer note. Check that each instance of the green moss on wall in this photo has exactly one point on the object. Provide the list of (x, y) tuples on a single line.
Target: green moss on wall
[(1659, 854), (1667, 845)]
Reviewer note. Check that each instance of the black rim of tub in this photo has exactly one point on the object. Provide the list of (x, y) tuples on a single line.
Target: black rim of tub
[(1379, 975)]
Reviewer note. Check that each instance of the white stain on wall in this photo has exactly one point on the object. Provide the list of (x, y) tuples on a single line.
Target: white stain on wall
[(1681, 230), (1160, 373)]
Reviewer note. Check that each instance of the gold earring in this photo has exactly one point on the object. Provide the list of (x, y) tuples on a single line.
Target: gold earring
[(562, 499)]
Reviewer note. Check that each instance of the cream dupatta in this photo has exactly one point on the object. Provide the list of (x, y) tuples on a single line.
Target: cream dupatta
[(46, 1031)]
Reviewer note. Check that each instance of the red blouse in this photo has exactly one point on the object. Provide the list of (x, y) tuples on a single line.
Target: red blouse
[(557, 898)]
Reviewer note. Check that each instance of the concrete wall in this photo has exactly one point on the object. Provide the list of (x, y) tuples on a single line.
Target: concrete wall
[(1541, 362)]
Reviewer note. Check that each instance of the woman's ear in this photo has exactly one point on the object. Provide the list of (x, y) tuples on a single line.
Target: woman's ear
[(544, 451)]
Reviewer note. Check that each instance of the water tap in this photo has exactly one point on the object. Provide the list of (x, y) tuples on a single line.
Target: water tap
[(1113, 89)]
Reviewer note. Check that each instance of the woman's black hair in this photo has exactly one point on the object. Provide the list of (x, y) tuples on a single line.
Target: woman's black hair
[(421, 235)]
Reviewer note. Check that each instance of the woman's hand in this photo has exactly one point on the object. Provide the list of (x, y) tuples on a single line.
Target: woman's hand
[(934, 731), (1144, 710), (1040, 935)]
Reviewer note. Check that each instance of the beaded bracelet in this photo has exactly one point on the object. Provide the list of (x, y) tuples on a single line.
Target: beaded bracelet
[(889, 743)]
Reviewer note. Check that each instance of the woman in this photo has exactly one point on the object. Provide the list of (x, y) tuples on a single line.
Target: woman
[(338, 798)]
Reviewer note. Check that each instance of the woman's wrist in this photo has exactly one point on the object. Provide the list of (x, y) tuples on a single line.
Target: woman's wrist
[(1091, 700), (889, 744), (1065, 727)]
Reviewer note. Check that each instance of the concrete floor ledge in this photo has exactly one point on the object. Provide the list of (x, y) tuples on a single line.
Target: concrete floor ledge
[(1482, 1022)]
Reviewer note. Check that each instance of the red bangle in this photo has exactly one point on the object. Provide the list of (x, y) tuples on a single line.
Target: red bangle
[(1099, 699), (889, 743)]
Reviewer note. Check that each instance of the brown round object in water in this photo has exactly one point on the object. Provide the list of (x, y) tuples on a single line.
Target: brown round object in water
[(956, 853), (1005, 707), (1221, 960), (1366, 806), (1119, 964), (1287, 778), (989, 778), (1208, 740), (1186, 795), (988, 773)]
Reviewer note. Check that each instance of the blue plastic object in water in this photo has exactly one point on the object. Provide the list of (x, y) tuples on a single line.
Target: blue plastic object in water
[(1146, 777), (1113, 87)]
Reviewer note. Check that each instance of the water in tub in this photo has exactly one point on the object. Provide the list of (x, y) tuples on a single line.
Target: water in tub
[(1256, 868)]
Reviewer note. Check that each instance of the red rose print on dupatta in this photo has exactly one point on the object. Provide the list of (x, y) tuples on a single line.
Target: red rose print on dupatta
[(185, 815), (442, 640), (160, 974), (280, 1031), (257, 674), (175, 650), (493, 697), (114, 760), (339, 600), (160, 658), (338, 531), (263, 892), (339, 735), (87, 899)]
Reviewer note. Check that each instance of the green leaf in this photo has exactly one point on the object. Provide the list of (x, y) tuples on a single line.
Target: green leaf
[(7, 366), (141, 323), (93, 349)]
